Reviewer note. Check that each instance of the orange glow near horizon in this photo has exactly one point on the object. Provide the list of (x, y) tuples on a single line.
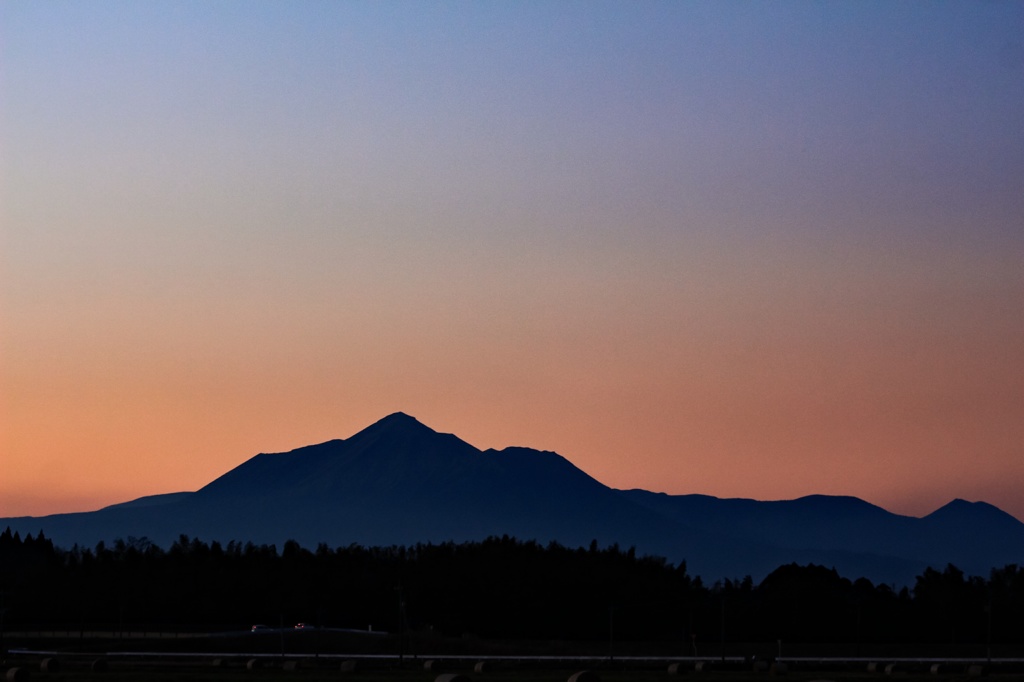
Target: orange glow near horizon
[(807, 401)]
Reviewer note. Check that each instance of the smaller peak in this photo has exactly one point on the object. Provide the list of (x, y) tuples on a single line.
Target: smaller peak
[(958, 504), (837, 501), (965, 508)]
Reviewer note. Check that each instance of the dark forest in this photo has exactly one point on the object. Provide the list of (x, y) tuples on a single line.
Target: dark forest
[(500, 588)]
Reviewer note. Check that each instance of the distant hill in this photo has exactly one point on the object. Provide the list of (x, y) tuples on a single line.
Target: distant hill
[(400, 482)]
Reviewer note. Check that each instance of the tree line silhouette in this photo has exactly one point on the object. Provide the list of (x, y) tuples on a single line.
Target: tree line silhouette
[(499, 588)]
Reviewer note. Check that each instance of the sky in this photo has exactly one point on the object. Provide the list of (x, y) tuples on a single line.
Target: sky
[(743, 249)]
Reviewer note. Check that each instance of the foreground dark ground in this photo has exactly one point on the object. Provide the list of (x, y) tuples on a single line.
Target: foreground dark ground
[(427, 643), (421, 645), (360, 657), (229, 669)]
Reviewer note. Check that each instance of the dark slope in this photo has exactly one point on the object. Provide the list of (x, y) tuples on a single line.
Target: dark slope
[(394, 456), (858, 538), (974, 536), (812, 522), (152, 501), (400, 482)]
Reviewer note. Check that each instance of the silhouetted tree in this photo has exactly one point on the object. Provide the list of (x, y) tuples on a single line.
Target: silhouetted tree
[(497, 588)]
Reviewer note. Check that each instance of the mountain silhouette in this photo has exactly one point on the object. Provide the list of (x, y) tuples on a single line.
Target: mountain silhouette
[(398, 482)]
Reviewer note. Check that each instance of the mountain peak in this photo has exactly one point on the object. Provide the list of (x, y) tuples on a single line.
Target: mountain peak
[(396, 419), (400, 422), (402, 432)]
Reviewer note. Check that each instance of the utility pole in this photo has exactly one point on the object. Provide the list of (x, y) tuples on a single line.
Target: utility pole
[(401, 625), (3, 610), (611, 632), (281, 630), (723, 626), (988, 647)]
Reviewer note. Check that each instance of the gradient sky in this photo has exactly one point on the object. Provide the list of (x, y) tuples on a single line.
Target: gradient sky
[(735, 248)]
